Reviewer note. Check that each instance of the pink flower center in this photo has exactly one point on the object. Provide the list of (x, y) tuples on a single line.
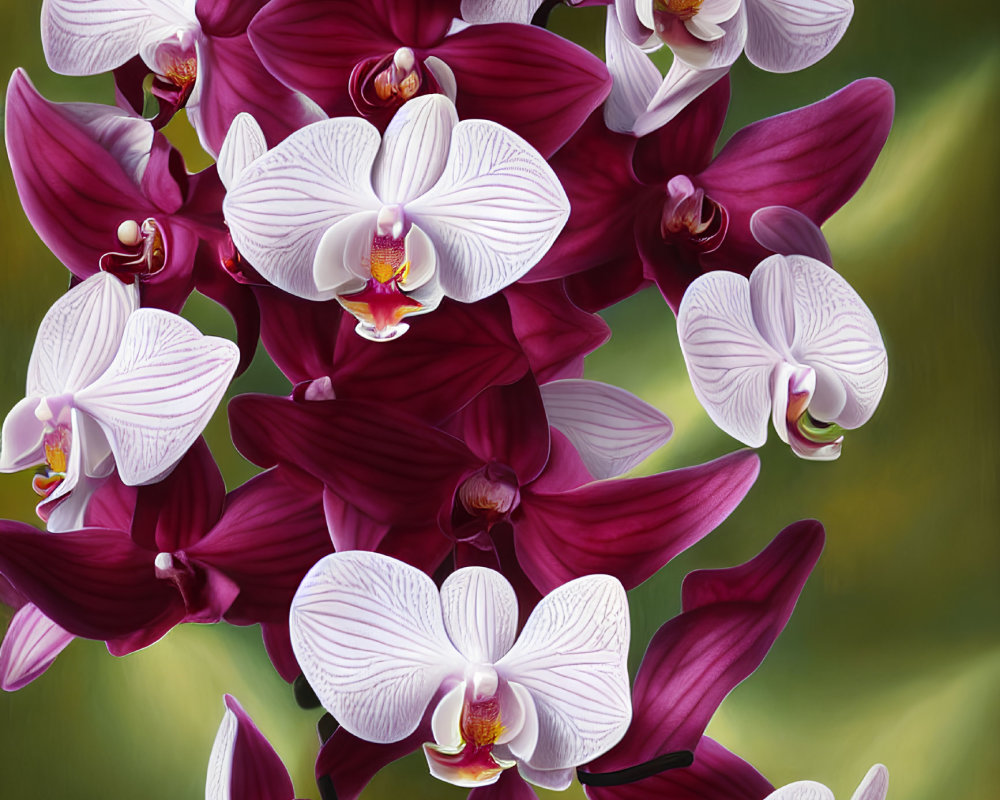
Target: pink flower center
[(690, 216), (491, 493), (57, 442), (145, 251), (682, 9), (381, 304), (380, 85)]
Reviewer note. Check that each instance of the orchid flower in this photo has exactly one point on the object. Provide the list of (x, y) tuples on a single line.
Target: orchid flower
[(197, 51), (437, 208), (794, 342), (369, 57), (874, 786), (243, 765), (379, 645), (110, 386)]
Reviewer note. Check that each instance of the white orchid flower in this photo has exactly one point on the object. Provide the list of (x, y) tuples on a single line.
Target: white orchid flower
[(110, 385), (378, 644), (390, 225), (875, 786), (794, 342)]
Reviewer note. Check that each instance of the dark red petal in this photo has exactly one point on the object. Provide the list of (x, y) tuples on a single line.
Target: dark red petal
[(257, 772), (350, 763)]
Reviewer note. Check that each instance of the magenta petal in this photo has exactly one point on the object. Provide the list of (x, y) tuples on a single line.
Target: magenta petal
[(112, 506), (78, 194), (257, 771), (300, 335), (349, 763), (595, 169), (445, 359), (716, 774), (179, 510), (271, 533), (554, 332), (604, 285), (535, 83), (511, 786), (508, 424), (392, 466), (237, 298), (731, 618), (417, 23), (29, 647), (95, 583), (812, 159), (627, 528), (313, 45), (350, 528), (278, 644), (226, 17)]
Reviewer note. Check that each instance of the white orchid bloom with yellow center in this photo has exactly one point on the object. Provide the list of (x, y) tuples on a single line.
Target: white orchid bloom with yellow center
[(389, 225), (378, 644)]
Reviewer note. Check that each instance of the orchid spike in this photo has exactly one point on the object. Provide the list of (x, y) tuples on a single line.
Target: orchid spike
[(438, 208), (795, 342), (109, 385), (874, 786), (379, 644)]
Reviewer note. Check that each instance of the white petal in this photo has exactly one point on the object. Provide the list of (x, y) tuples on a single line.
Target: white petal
[(368, 633), (612, 429), (343, 254), (875, 785), (802, 790), (555, 779), (126, 137), (494, 213), (635, 17), (720, 52), (21, 442), (159, 393), (447, 717), (571, 658), (728, 361), (635, 78), (244, 144), (220, 762), (481, 11), (89, 465), (680, 86), (443, 75), (789, 35), (79, 335), (414, 149), (837, 335), (87, 37), (772, 302), (29, 647), (422, 258), (704, 29), (521, 743), (285, 201), (789, 232), (480, 613)]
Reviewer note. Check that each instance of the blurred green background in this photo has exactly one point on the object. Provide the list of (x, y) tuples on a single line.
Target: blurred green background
[(893, 653)]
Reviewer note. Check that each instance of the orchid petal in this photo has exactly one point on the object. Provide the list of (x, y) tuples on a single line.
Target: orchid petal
[(571, 658), (29, 647), (875, 785), (368, 633), (159, 392), (680, 86), (243, 765), (480, 613), (837, 334), (789, 35), (349, 763), (788, 232), (627, 528), (87, 37), (636, 78), (729, 362), (553, 779), (285, 201), (509, 786), (496, 210), (636, 21), (719, 51), (244, 144), (484, 11), (342, 255), (611, 428), (802, 790), (446, 718), (127, 138), (22, 437), (414, 149), (79, 335)]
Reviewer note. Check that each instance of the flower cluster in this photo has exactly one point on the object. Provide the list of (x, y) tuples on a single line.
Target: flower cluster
[(418, 207)]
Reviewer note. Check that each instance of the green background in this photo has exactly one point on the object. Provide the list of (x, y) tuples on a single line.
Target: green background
[(892, 654)]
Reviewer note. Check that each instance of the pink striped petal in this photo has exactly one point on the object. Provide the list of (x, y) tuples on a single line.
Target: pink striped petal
[(480, 614), (789, 35), (29, 647)]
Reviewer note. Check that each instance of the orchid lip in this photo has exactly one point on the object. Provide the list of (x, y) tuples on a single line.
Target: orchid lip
[(381, 84), (691, 217), (145, 254)]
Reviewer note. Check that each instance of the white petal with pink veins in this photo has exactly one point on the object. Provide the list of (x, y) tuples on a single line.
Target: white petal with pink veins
[(480, 613), (635, 78), (789, 35), (220, 762), (244, 144), (875, 785), (22, 437), (126, 137), (493, 214), (158, 394), (29, 647)]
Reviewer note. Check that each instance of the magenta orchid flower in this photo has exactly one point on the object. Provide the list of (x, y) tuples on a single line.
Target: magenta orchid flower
[(436, 208), (197, 51), (690, 213), (110, 386), (794, 343), (111, 194), (379, 644), (243, 765), (178, 551), (874, 786), (368, 57)]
